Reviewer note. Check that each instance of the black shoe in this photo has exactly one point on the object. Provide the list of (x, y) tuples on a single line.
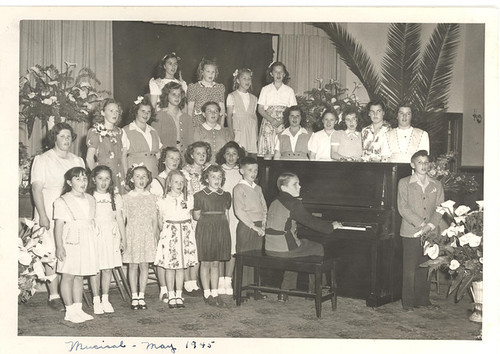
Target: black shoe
[(56, 304), (142, 304), (134, 305), (282, 297)]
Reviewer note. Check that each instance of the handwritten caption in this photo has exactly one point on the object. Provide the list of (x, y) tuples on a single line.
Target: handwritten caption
[(76, 345)]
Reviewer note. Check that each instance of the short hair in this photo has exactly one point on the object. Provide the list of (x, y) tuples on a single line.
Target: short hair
[(204, 62), (376, 102), (286, 115), (170, 175), (111, 189), (248, 160), (269, 70), (331, 111), (98, 117), (130, 174), (146, 101), (419, 153), (165, 91), (406, 105), (163, 156), (160, 69), (219, 157), (350, 110), (237, 74), (212, 168), (284, 178), (197, 144), (56, 129), (69, 175), (209, 103)]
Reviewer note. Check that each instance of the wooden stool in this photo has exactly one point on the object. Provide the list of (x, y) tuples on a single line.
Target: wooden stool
[(316, 265), (120, 281)]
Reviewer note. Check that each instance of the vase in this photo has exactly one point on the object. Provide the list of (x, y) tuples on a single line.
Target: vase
[(477, 295)]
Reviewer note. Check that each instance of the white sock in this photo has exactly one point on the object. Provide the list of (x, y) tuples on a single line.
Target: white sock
[(171, 295), (178, 294), (163, 289), (221, 282), (77, 306), (141, 295), (70, 309), (187, 286), (105, 297), (228, 281), (194, 286), (206, 293), (96, 300), (54, 297), (135, 296), (215, 292)]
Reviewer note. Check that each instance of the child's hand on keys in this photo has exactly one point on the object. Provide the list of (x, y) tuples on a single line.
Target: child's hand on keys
[(336, 225)]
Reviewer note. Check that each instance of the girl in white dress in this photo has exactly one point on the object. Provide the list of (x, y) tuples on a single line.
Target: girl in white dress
[(109, 220), (76, 241), (176, 249)]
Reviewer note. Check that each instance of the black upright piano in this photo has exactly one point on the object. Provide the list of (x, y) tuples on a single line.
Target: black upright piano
[(363, 196)]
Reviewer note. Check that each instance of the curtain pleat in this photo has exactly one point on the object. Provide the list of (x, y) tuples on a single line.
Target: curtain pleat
[(87, 43)]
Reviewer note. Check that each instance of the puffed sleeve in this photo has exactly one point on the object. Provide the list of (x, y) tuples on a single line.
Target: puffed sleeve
[(93, 138), (230, 100), (61, 210), (198, 203), (221, 89), (292, 100), (38, 170), (190, 202), (153, 87)]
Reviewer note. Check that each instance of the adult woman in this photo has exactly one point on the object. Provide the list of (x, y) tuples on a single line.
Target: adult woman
[(372, 135), (141, 143), (167, 71), (292, 143), (346, 144), (47, 181)]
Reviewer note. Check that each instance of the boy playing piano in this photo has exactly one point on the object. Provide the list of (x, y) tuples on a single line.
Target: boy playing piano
[(281, 229)]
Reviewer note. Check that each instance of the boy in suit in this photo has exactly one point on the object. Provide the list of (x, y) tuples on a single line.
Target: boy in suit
[(418, 197)]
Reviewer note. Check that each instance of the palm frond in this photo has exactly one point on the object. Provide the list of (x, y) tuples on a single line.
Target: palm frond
[(400, 64), (436, 68), (354, 56)]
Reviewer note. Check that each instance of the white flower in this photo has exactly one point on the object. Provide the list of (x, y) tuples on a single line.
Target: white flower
[(481, 260), (63, 119), (448, 204), (30, 223), (40, 250), (71, 98), (461, 210), (39, 270), (84, 112), (52, 82), (454, 243), (454, 264), (465, 239), (47, 101), (474, 240), (481, 204), (333, 100), (431, 250), (83, 94), (31, 95), (138, 100), (84, 84), (459, 219), (24, 258)]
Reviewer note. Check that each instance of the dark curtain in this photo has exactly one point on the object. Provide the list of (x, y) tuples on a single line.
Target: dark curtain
[(139, 46)]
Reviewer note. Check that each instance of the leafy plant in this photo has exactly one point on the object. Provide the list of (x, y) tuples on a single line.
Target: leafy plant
[(458, 249), (407, 76), (451, 180), (50, 95)]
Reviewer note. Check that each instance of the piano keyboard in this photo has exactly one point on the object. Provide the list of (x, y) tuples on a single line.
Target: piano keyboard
[(352, 227)]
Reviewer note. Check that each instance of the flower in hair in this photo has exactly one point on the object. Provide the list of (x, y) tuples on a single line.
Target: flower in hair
[(236, 72), (135, 165), (138, 100), (271, 64)]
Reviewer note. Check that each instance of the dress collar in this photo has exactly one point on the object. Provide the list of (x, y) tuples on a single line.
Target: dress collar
[(302, 130), (226, 167), (207, 127), (134, 126), (208, 191), (354, 133)]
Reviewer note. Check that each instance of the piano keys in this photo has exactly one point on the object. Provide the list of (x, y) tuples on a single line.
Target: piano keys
[(363, 196)]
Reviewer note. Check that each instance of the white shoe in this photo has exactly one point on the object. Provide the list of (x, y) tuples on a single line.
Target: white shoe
[(73, 317), (229, 287), (98, 308), (107, 307), (85, 316)]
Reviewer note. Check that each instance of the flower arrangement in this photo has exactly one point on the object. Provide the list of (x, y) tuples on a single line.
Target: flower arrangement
[(330, 96), (459, 248), (25, 161), (54, 96), (452, 181), (32, 254)]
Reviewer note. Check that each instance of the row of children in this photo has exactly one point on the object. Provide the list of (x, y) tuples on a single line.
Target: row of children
[(157, 226)]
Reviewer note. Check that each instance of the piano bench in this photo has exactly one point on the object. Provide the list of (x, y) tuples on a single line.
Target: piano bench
[(316, 265)]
